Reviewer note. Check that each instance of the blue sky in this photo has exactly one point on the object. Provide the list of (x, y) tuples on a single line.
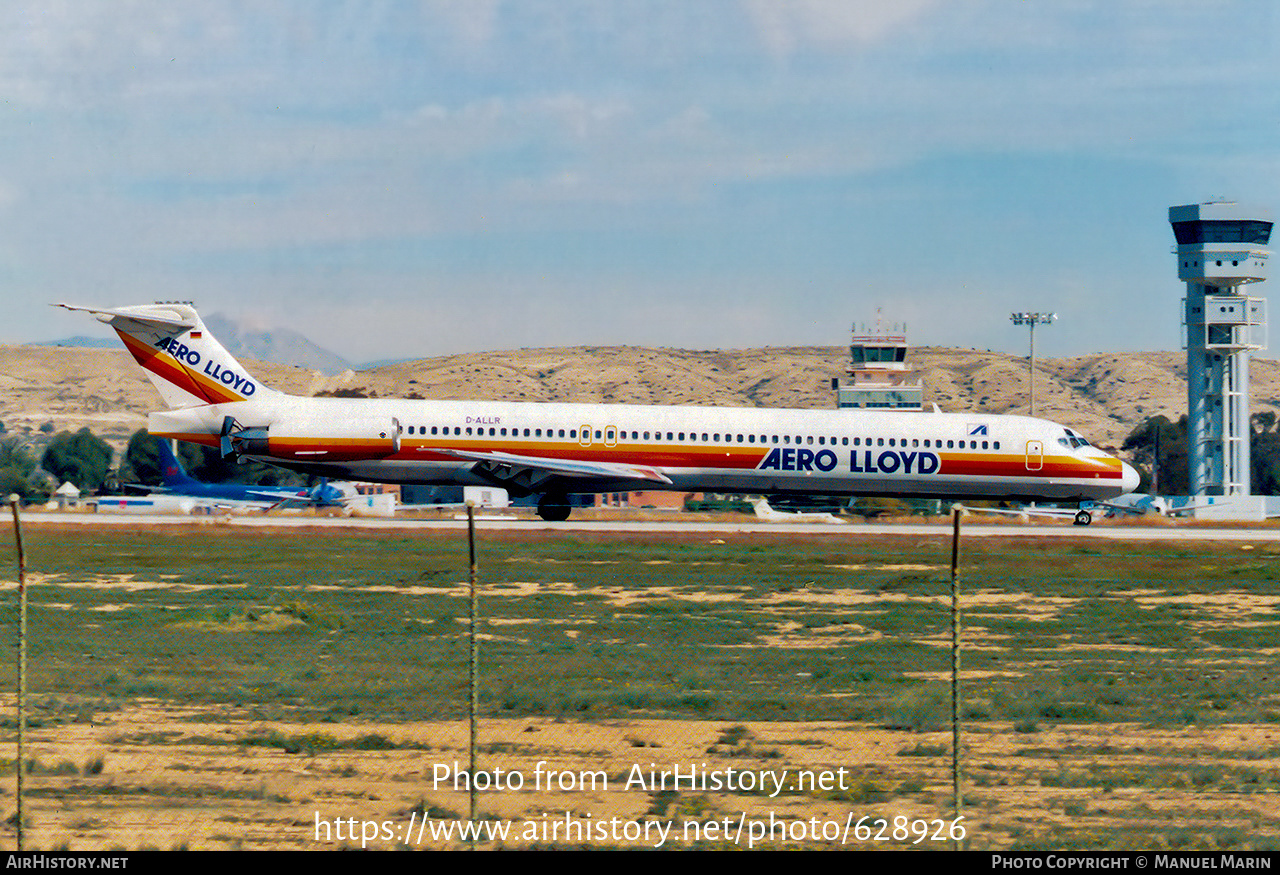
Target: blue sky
[(402, 179)]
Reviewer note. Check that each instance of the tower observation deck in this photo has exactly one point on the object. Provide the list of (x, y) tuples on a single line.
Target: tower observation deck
[(1221, 248), (880, 376)]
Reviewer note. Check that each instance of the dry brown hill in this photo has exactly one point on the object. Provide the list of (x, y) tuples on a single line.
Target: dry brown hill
[(1103, 395)]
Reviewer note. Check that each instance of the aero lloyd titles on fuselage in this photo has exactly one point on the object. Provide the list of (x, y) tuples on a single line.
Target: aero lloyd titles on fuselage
[(860, 461), (192, 357)]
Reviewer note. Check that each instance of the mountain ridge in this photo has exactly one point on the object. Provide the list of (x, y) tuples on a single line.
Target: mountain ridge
[(1104, 396)]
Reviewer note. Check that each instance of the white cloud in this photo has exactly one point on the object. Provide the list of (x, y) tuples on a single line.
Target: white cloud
[(784, 26), (253, 136), (472, 21)]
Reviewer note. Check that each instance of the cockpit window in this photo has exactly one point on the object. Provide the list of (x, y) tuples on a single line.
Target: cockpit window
[(1073, 440)]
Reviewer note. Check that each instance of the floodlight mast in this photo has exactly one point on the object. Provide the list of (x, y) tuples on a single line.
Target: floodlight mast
[(1031, 320), (1221, 247)]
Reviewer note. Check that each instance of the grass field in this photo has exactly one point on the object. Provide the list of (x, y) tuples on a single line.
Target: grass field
[(1116, 696)]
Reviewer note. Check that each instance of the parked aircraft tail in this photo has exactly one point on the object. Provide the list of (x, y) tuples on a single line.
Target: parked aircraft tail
[(172, 473), (184, 361)]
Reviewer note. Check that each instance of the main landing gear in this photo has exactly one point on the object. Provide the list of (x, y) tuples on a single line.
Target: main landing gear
[(1083, 518), (553, 508)]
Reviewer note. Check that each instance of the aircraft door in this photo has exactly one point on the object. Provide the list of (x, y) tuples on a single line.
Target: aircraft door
[(584, 435), (1035, 455), (611, 436)]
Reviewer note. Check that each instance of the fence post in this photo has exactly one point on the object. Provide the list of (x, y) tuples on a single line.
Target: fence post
[(474, 703), (955, 665), (22, 659)]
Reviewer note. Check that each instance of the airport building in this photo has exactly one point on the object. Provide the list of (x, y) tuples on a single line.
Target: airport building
[(879, 377), (655, 499)]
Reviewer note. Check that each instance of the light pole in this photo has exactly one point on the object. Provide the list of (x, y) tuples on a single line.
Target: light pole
[(1032, 320)]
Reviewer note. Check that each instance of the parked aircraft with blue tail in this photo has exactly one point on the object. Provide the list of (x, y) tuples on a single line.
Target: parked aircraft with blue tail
[(178, 482)]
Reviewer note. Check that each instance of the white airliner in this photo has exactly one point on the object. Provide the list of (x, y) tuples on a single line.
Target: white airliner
[(552, 450)]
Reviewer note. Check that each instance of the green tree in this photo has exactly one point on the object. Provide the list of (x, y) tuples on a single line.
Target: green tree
[(81, 458), (1172, 463), (141, 461), (18, 473), (1264, 448)]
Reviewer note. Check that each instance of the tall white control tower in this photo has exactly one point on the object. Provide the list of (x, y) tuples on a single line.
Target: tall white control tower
[(1221, 248)]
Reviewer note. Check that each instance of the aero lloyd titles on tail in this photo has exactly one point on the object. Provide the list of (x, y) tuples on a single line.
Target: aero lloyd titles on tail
[(224, 375), (554, 450)]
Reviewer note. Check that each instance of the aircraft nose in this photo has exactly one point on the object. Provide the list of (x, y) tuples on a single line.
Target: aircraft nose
[(1129, 481)]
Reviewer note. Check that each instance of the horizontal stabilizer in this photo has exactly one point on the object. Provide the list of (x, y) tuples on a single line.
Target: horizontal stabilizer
[(153, 314)]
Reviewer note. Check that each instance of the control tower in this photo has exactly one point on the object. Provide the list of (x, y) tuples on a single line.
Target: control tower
[(1221, 249), (881, 378)]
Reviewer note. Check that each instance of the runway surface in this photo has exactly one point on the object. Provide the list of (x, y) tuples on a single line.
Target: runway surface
[(972, 527)]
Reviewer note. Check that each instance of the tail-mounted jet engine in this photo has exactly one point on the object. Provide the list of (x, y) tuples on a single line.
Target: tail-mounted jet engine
[(318, 442)]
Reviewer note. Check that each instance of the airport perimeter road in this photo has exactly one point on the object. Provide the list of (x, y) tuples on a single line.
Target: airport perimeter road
[(972, 528)]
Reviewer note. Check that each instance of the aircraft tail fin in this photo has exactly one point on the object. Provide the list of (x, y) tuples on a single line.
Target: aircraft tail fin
[(171, 470), (184, 361)]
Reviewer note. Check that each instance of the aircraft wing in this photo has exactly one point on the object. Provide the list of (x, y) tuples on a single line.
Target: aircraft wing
[(767, 513), (142, 489), (526, 471), (1024, 513), (1165, 505), (1137, 509), (275, 495)]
